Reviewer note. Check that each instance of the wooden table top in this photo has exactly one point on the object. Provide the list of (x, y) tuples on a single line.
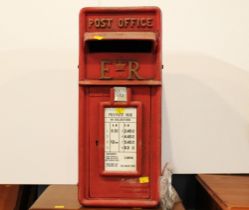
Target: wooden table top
[(8, 196), (229, 191), (65, 197)]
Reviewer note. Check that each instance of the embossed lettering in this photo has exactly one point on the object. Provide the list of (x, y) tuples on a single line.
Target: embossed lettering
[(104, 69), (133, 70), (142, 22), (126, 22), (131, 66), (100, 22)]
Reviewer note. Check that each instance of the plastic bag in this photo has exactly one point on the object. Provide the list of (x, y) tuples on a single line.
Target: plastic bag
[(168, 195)]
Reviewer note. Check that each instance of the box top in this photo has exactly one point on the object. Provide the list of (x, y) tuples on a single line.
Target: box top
[(120, 19)]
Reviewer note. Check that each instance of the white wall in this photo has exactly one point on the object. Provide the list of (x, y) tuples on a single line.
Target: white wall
[(206, 87)]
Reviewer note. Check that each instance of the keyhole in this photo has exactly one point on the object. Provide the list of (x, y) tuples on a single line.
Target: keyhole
[(97, 142)]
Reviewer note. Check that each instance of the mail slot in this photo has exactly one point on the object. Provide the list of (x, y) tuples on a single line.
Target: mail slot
[(119, 106)]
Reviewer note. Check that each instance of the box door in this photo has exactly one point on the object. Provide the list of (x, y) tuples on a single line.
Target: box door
[(125, 183)]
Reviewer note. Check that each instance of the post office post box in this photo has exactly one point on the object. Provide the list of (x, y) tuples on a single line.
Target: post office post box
[(120, 106)]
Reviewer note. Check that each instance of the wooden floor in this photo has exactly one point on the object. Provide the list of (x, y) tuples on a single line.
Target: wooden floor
[(65, 197)]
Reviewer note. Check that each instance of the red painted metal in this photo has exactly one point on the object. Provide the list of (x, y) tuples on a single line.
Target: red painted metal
[(99, 72)]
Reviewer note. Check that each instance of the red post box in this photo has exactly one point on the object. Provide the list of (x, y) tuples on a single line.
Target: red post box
[(120, 106)]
